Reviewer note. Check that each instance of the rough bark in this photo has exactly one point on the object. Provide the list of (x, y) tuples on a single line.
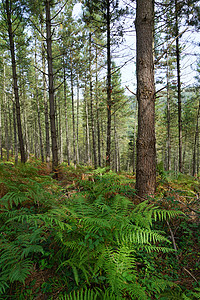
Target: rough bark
[(15, 83), (51, 87), (146, 151)]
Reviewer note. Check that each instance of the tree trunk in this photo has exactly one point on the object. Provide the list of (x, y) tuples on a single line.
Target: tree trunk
[(66, 116), (195, 142), (108, 144), (97, 115), (168, 121), (91, 102), (51, 88), (14, 74), (116, 146), (77, 123), (73, 115), (38, 105), (46, 114), (134, 137), (87, 131), (178, 87), (146, 151)]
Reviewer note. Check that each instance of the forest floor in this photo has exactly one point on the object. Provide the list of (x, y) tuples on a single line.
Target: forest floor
[(39, 227)]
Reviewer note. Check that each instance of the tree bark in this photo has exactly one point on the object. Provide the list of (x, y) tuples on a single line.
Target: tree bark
[(51, 87), (195, 142), (15, 131), (14, 74), (77, 123), (38, 106), (97, 114), (168, 120), (91, 102), (73, 114), (146, 151), (178, 87), (108, 144), (46, 114), (66, 116)]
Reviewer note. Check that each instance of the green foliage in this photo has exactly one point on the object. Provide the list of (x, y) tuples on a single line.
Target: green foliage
[(94, 240)]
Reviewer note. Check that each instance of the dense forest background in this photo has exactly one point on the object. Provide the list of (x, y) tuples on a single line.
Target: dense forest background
[(99, 179), (78, 78)]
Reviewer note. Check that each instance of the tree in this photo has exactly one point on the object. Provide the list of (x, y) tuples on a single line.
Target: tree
[(8, 9), (146, 151)]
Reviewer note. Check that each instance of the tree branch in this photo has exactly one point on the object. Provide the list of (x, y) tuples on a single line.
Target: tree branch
[(161, 56)]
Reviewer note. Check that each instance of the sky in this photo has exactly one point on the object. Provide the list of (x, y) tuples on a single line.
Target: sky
[(125, 55)]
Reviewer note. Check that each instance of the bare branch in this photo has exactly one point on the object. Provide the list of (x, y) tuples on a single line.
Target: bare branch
[(161, 56)]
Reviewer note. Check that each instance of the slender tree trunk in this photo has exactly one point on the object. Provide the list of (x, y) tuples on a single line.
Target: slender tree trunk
[(14, 74), (134, 137), (109, 104), (168, 121), (87, 132), (178, 87), (73, 115), (5, 113), (116, 144), (38, 106), (15, 130), (195, 142), (51, 87), (91, 102), (60, 135), (66, 117), (46, 114), (77, 123), (146, 151), (97, 115)]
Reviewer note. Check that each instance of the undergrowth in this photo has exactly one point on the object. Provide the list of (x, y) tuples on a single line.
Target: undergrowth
[(82, 237)]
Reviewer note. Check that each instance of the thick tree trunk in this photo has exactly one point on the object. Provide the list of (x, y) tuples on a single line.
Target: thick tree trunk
[(146, 151), (178, 87), (109, 104), (14, 74), (51, 87), (91, 103)]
